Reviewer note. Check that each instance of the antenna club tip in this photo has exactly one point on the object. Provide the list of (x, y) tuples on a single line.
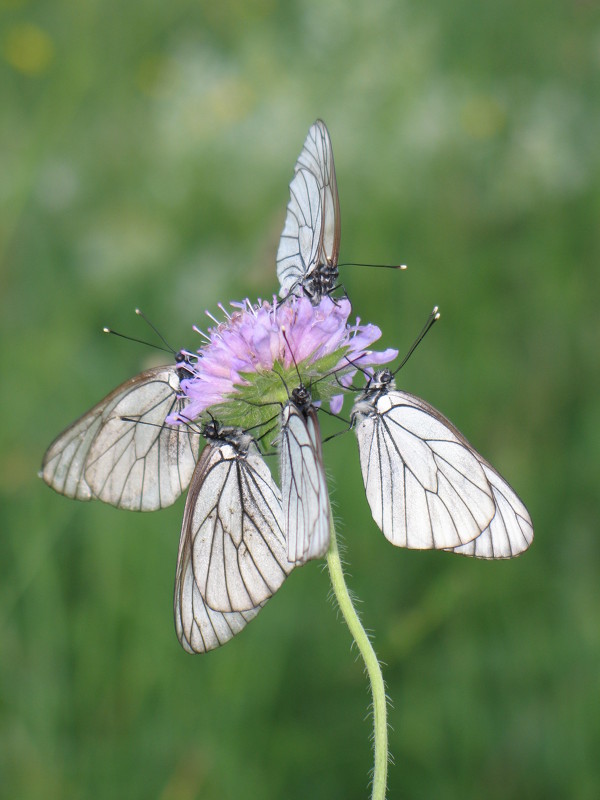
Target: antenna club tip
[(105, 329), (402, 266), (138, 312)]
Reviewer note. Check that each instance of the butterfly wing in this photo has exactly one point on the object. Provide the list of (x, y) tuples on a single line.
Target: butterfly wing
[(311, 234), (199, 627), (429, 488), (138, 463), (233, 527), (510, 532), (306, 511), (232, 553)]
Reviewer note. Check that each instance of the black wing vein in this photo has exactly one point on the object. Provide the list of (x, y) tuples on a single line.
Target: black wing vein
[(232, 555), (139, 465), (429, 488)]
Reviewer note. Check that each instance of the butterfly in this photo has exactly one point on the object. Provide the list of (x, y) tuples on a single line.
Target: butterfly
[(427, 487), (306, 510), (121, 451), (309, 247), (232, 552)]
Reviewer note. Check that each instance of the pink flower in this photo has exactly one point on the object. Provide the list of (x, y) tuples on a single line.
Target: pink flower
[(255, 340)]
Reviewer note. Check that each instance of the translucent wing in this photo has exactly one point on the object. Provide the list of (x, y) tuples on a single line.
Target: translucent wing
[(311, 235), (200, 628), (232, 552), (510, 532), (429, 488), (139, 465), (303, 485)]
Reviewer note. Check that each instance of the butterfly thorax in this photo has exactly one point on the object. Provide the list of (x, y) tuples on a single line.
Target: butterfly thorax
[(365, 404), (219, 434), (321, 281)]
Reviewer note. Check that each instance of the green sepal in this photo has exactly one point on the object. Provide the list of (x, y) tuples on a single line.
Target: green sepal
[(256, 405)]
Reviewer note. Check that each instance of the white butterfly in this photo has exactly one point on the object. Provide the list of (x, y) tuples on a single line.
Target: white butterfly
[(427, 487), (306, 510), (122, 451), (309, 246), (232, 552)]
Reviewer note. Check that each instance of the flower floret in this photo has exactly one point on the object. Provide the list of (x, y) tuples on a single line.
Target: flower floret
[(260, 352)]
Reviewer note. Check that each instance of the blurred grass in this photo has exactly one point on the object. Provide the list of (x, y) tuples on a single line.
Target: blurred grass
[(145, 153)]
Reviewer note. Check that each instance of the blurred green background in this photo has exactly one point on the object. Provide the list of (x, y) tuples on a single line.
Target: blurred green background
[(145, 154)]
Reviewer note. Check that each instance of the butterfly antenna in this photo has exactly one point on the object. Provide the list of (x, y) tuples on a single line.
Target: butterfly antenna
[(262, 424), (139, 341), (431, 320), (185, 427), (338, 433), (364, 371), (350, 363), (378, 266), (264, 435), (155, 329), (292, 355)]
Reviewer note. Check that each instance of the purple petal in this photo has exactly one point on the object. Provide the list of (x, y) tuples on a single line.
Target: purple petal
[(336, 403)]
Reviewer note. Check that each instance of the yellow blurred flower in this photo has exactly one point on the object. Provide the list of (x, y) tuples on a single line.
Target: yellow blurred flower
[(27, 48)]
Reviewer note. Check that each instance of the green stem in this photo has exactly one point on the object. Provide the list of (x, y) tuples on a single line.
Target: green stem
[(363, 643)]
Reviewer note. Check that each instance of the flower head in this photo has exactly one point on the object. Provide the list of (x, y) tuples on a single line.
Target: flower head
[(253, 356)]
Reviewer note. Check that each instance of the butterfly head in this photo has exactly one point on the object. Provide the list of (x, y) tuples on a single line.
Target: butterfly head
[(217, 434), (382, 380), (301, 397), (185, 367), (211, 430)]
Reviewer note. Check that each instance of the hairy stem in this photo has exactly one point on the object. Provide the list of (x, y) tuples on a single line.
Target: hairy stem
[(373, 668)]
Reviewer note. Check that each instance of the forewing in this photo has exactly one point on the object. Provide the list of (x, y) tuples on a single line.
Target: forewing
[(138, 463), (311, 234), (426, 486), (234, 530), (304, 492)]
